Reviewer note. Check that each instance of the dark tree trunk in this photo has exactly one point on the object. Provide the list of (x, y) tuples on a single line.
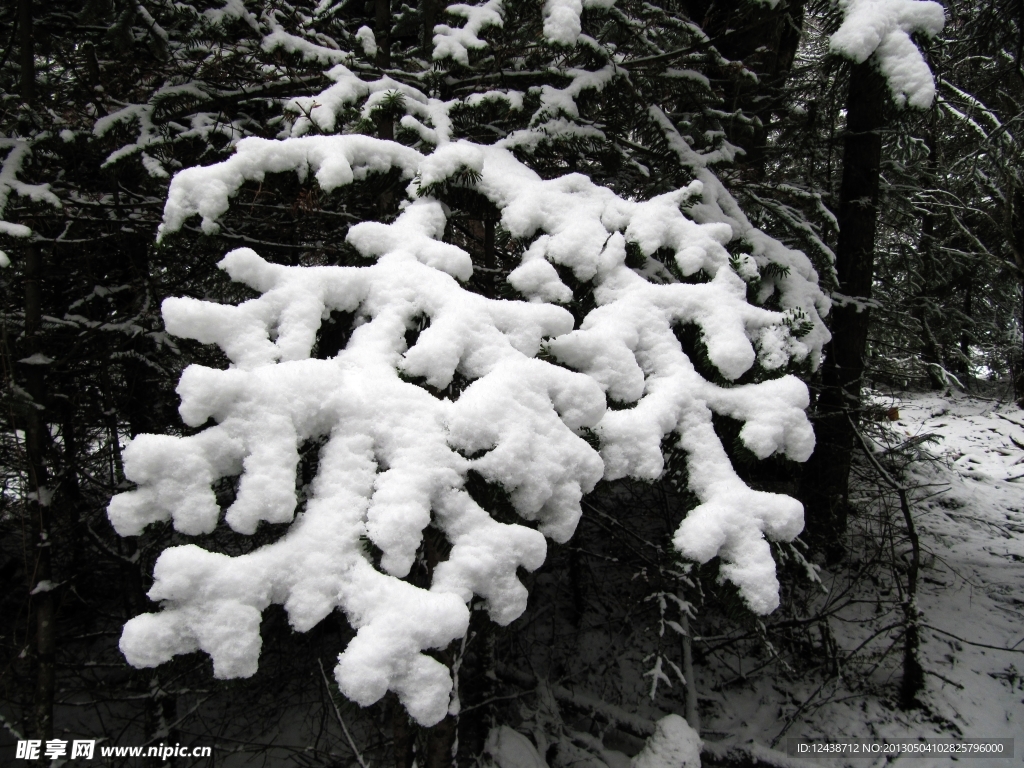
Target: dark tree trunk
[(1016, 240), (931, 350), (964, 363), (477, 688), (827, 473), (382, 34), (40, 570), (403, 734), (42, 603), (430, 8), (28, 53), (441, 743)]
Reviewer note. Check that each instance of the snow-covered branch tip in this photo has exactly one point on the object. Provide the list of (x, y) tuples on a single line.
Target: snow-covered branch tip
[(882, 29)]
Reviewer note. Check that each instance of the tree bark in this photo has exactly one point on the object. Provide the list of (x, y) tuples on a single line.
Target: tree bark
[(1015, 236), (477, 689), (403, 733), (42, 603), (28, 53), (430, 8), (692, 709), (826, 475), (931, 350), (382, 34), (766, 40)]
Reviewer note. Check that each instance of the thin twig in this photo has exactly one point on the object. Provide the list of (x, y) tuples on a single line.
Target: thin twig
[(341, 720), (944, 679)]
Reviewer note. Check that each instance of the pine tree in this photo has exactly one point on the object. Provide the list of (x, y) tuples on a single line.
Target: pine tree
[(451, 379)]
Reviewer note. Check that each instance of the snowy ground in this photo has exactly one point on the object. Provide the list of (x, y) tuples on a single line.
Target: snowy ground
[(974, 588), (969, 507)]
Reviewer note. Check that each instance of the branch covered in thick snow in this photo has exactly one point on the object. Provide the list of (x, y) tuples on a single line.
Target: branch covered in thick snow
[(334, 161), (396, 454), (456, 42), (629, 347), (882, 28)]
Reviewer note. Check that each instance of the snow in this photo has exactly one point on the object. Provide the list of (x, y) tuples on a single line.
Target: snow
[(562, 21), (367, 41), (334, 161), (562, 18), (43, 586), (882, 28), (456, 42), (510, 749), (321, 110), (968, 506), (396, 455), (232, 9), (280, 38), (562, 25), (37, 359), (674, 744)]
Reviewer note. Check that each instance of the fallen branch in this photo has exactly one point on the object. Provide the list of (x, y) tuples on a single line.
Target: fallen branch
[(969, 642), (944, 679)]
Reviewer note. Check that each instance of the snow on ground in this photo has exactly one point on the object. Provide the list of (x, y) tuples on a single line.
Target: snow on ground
[(968, 505), (974, 588)]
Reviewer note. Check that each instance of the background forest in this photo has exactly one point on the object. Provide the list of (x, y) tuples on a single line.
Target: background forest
[(855, 193)]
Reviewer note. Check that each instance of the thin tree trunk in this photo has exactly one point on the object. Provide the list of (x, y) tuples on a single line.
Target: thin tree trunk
[(442, 744), (28, 55), (692, 712), (1015, 236), (477, 689), (827, 473), (403, 733), (964, 364), (430, 8), (42, 598), (42, 606), (913, 674), (931, 351), (382, 34)]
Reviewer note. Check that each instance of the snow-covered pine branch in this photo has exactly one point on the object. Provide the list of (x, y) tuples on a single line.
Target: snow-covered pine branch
[(19, 150), (399, 442), (397, 456)]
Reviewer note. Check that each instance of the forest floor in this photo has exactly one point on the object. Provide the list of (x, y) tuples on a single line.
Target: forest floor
[(967, 498)]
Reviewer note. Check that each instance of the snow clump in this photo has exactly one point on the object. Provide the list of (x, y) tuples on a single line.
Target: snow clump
[(674, 744), (883, 28)]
